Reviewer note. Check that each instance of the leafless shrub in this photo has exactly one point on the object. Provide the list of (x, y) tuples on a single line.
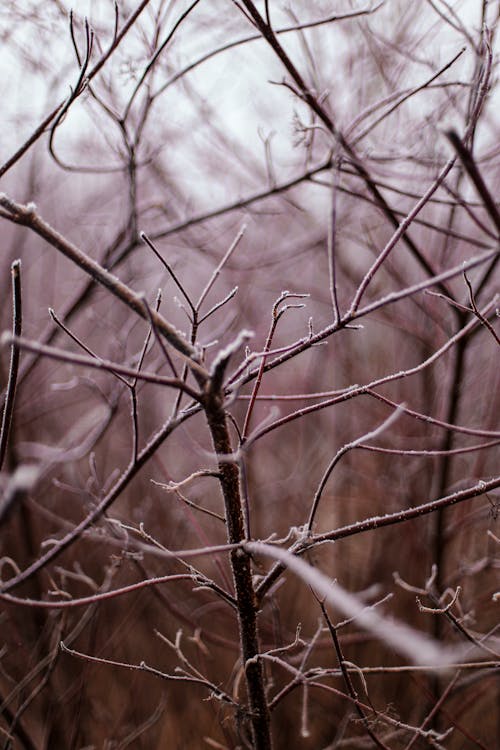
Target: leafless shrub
[(249, 487)]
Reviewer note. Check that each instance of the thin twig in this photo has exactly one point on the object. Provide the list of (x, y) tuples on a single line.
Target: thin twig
[(41, 129), (96, 363)]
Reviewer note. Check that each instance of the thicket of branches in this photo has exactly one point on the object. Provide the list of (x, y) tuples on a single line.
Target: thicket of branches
[(249, 456)]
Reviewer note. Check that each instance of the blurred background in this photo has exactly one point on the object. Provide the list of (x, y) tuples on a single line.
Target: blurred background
[(191, 132)]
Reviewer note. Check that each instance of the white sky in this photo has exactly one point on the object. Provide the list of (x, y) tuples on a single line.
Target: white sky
[(38, 68)]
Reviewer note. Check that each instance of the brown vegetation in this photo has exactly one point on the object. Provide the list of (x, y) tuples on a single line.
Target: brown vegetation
[(234, 516)]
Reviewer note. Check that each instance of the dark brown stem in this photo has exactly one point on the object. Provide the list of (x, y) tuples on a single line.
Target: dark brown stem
[(242, 572), (476, 177), (10, 393)]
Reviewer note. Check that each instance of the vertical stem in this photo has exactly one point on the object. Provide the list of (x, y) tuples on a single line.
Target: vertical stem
[(439, 541), (8, 408), (242, 574), (332, 244)]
